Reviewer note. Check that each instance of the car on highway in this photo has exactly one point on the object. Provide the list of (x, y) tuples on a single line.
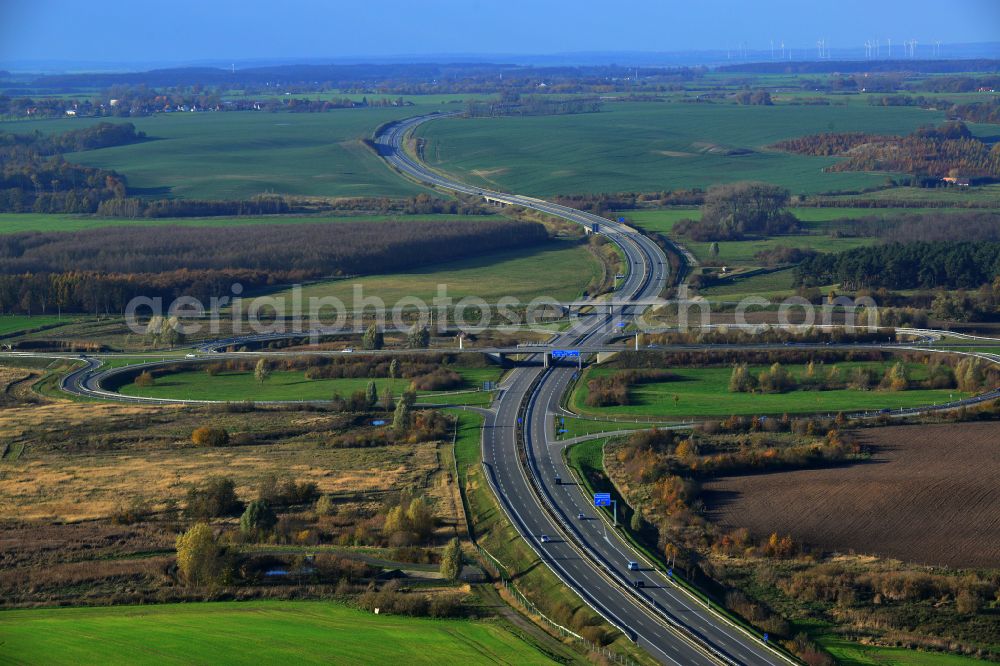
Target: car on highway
[(190, 356), (544, 538), (640, 583), (347, 351), (633, 566), (581, 516)]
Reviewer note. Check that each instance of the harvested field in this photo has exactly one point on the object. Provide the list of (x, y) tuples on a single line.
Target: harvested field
[(927, 496)]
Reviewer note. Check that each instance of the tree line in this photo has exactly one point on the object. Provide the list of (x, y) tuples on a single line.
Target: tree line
[(34, 176), (102, 269), (969, 226), (929, 152), (920, 265)]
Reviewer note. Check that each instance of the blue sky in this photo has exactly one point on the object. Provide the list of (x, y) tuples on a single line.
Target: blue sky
[(192, 30)]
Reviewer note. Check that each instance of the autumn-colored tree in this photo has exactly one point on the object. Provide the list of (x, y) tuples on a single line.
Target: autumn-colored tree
[(261, 371), (200, 558), (145, 379), (780, 547)]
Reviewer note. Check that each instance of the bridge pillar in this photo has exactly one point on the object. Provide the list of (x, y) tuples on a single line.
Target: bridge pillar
[(545, 359)]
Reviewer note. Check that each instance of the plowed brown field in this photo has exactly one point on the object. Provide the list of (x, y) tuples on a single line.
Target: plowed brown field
[(930, 495)]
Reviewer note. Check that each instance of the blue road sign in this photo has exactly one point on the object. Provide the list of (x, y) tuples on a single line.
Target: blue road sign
[(670, 572), (378, 422), (621, 219), (562, 431), (602, 499), (562, 420), (620, 324), (565, 353), (766, 637)]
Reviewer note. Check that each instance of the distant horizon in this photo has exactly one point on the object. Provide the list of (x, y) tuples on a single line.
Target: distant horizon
[(641, 58), (122, 33)]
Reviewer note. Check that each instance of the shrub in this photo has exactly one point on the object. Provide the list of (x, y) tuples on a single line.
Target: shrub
[(213, 499), (446, 605), (209, 436), (326, 505)]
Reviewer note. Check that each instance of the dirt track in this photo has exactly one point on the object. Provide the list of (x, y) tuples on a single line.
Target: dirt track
[(931, 495)]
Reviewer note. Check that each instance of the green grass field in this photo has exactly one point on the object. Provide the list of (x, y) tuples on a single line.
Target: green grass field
[(241, 154), (776, 285), (259, 632), (578, 427), (10, 324), (643, 147), (11, 223), (561, 270), (704, 392), (285, 385), (855, 654)]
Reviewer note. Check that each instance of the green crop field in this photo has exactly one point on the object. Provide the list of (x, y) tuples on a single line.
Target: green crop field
[(741, 253), (561, 270), (241, 154), (984, 195), (258, 632), (285, 385), (11, 223), (630, 147), (814, 219), (704, 392)]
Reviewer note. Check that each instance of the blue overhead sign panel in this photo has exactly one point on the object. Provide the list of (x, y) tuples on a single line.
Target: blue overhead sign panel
[(565, 353), (621, 219), (602, 499)]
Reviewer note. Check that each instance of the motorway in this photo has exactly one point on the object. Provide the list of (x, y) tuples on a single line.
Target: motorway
[(523, 460), (585, 553)]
